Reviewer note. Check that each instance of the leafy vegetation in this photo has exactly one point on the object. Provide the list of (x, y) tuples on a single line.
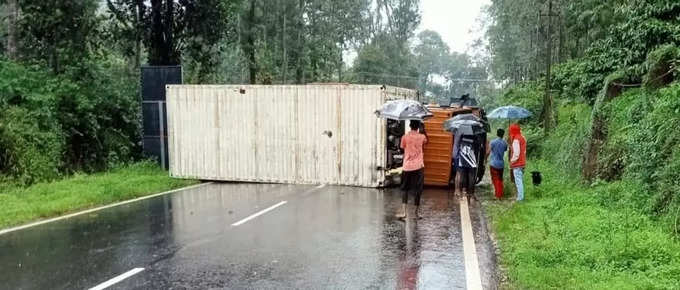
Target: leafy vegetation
[(621, 229), (570, 236), (51, 125), (81, 191), (608, 215)]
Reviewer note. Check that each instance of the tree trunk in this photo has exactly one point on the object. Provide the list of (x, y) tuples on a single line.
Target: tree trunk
[(250, 45), (547, 99), (598, 130), (139, 17), (157, 39), (54, 56), (299, 69), (171, 56), (284, 58), (12, 16)]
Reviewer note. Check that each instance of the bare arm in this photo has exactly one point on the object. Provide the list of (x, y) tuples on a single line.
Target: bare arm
[(488, 149), (422, 131)]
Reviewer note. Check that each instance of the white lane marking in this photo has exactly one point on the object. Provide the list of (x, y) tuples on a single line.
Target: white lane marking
[(472, 276), (97, 209), (117, 279), (259, 213)]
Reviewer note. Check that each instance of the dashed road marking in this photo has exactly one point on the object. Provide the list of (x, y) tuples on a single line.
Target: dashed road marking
[(259, 213), (117, 279)]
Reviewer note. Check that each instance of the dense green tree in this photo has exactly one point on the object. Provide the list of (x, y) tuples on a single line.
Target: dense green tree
[(386, 61), (300, 41), (58, 33), (173, 30), (517, 33), (384, 55), (432, 58)]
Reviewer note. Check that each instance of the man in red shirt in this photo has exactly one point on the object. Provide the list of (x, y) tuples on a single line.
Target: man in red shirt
[(413, 177)]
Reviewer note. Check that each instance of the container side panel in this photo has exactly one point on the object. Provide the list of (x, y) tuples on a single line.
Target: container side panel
[(172, 138), (287, 134), (359, 163), (318, 132)]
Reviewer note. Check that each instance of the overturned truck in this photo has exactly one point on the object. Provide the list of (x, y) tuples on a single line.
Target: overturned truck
[(302, 134)]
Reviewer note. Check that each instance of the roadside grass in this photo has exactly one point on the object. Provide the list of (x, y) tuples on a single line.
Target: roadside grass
[(20, 205), (570, 236)]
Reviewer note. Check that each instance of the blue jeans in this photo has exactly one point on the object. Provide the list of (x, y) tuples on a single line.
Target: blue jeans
[(519, 182)]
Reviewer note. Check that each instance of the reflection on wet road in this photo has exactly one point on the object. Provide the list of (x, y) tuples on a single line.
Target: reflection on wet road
[(330, 237)]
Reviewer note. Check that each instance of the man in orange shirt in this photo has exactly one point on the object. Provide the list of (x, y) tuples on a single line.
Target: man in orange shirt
[(413, 177)]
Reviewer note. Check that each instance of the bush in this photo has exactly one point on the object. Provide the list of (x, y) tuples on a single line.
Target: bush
[(27, 152), (621, 114), (528, 95), (100, 117), (31, 141), (577, 80), (86, 119), (661, 66), (565, 146), (642, 146)]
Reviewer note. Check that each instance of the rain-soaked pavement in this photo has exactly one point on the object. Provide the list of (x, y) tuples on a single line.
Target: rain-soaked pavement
[(330, 237)]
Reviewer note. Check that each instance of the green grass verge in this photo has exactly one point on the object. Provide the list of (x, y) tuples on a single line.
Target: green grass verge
[(20, 205), (569, 236)]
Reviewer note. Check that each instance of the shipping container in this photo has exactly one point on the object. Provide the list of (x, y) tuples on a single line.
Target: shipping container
[(306, 134)]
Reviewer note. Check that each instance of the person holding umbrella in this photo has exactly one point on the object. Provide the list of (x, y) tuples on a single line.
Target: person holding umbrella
[(466, 151), (413, 177), (518, 144), (466, 163)]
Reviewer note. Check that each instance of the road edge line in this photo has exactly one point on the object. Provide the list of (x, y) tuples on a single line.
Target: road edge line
[(117, 279), (54, 219), (473, 278)]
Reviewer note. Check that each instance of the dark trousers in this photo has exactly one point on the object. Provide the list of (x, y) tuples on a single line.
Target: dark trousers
[(468, 179), (412, 182)]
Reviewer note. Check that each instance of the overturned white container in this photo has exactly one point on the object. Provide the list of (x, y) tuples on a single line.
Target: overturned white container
[(308, 134)]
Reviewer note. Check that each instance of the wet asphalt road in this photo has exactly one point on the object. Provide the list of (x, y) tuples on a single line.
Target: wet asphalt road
[(322, 238)]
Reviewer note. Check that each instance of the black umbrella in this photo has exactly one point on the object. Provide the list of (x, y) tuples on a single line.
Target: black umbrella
[(473, 117), (402, 110), (463, 127), (468, 116)]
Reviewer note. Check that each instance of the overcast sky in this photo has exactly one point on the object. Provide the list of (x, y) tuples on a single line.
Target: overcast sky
[(453, 19)]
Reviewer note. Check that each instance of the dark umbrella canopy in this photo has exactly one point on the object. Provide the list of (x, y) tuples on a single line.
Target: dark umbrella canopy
[(471, 117), (464, 127), (402, 110), (510, 112)]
